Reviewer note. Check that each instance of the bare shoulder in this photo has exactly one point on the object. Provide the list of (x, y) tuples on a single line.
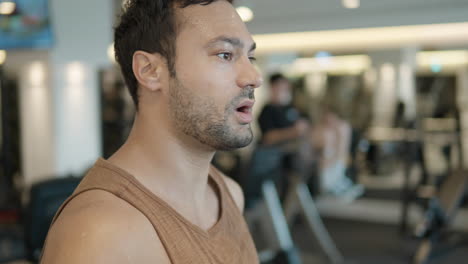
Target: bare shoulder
[(235, 190), (97, 227)]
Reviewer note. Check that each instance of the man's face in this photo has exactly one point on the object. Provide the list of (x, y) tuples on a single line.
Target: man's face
[(212, 94), (281, 92)]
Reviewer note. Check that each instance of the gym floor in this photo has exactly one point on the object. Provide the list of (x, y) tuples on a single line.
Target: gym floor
[(370, 243)]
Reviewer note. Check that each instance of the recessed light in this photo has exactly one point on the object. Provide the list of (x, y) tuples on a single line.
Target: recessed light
[(351, 4), (2, 56), (245, 13), (7, 8)]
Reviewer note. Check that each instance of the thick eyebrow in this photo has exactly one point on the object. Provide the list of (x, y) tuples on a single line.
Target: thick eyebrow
[(236, 42)]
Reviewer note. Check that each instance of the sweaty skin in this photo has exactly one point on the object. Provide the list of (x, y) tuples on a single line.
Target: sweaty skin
[(181, 122)]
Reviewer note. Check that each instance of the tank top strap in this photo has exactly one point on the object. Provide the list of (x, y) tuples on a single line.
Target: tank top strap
[(218, 177), (98, 178)]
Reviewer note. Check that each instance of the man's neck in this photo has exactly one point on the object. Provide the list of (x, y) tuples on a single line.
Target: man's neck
[(171, 166)]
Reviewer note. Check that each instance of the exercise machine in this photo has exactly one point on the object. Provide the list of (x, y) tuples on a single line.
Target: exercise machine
[(265, 169)]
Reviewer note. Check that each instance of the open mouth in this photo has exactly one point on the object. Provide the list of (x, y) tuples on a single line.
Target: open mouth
[(245, 106), (244, 109)]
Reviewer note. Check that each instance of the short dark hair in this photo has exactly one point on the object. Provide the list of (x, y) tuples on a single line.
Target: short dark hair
[(150, 26), (276, 77)]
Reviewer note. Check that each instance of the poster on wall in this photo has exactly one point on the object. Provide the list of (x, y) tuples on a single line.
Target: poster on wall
[(25, 24)]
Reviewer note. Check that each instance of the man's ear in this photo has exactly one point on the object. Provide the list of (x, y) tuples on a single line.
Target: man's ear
[(149, 70)]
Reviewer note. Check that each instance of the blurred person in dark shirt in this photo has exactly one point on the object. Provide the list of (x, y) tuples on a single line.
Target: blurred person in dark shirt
[(283, 128), (279, 121)]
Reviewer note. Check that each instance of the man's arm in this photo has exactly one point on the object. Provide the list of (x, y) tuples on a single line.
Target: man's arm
[(279, 135), (97, 227), (275, 136)]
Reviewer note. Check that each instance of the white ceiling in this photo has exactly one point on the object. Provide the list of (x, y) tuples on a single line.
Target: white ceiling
[(277, 16)]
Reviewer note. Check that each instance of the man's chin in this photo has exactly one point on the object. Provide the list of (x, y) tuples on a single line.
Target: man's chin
[(235, 143), (245, 143), (231, 147)]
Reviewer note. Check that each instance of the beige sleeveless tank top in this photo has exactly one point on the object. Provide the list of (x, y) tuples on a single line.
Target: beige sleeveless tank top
[(227, 242)]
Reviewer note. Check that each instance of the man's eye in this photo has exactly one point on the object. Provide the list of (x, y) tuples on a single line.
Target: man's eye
[(225, 56), (252, 59)]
